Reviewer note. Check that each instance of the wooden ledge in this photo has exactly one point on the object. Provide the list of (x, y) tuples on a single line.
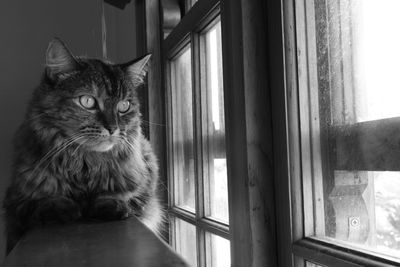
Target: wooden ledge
[(117, 243)]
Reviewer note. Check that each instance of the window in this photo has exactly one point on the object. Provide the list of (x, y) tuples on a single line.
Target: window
[(198, 180), (343, 123), (228, 156)]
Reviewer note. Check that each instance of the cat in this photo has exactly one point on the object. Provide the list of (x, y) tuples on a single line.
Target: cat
[(80, 153)]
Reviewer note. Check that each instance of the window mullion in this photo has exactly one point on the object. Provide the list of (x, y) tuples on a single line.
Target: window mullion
[(197, 125), (201, 247), (196, 74)]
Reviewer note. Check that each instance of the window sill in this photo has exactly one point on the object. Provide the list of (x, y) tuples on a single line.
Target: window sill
[(117, 243), (321, 252)]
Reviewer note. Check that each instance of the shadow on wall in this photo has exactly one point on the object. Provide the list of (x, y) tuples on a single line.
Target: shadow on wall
[(26, 28)]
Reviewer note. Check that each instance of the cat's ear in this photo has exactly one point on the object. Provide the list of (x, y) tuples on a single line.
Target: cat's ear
[(59, 60), (136, 70)]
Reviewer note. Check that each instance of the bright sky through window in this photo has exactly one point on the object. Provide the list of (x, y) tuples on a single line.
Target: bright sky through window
[(214, 77), (377, 58)]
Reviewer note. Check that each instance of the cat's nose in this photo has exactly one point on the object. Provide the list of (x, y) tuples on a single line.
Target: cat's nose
[(113, 130)]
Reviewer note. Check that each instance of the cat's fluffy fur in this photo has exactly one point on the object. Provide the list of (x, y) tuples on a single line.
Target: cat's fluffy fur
[(64, 169)]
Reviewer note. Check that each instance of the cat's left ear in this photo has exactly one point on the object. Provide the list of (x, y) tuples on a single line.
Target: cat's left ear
[(59, 60), (137, 69)]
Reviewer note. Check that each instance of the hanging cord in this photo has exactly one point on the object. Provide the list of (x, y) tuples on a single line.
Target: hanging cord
[(103, 30)]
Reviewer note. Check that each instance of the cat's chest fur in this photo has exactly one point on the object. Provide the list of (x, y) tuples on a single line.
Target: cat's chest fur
[(105, 172), (73, 173)]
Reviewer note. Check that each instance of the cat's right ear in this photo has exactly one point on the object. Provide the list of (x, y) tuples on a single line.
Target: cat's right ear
[(59, 60)]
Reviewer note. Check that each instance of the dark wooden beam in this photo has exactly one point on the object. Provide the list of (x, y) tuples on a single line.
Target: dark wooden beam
[(117, 243), (368, 146)]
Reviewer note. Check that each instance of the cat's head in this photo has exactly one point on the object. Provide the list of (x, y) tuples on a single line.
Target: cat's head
[(88, 101)]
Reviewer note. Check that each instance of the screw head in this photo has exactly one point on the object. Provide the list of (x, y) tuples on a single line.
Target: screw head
[(354, 221)]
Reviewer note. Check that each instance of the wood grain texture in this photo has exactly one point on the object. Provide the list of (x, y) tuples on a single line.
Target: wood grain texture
[(118, 243), (259, 133), (249, 134), (239, 217), (156, 104)]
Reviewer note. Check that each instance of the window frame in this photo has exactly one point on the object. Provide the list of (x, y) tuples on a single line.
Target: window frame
[(249, 144), (201, 17), (290, 82)]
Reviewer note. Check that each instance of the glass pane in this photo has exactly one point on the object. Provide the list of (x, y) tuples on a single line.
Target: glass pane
[(376, 54), (185, 241), (387, 211), (350, 121), (182, 131), (215, 172), (218, 251)]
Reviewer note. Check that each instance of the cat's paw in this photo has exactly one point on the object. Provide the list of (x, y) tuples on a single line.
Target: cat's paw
[(57, 210), (108, 209)]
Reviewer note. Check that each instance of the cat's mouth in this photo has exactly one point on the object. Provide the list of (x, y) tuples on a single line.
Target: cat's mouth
[(103, 146), (100, 144)]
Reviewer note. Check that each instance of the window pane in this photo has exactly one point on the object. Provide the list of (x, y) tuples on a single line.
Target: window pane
[(218, 251), (349, 132), (376, 54), (182, 131), (387, 211), (215, 172), (185, 241)]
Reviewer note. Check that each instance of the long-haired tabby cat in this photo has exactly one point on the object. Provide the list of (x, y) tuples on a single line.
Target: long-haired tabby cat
[(80, 152)]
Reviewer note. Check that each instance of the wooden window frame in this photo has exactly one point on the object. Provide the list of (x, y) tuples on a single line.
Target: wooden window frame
[(249, 143), (201, 17), (294, 180)]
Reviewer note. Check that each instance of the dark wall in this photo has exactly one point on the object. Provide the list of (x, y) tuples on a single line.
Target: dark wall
[(26, 27)]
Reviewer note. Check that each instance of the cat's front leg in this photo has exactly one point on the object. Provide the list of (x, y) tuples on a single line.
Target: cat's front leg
[(109, 208), (55, 210)]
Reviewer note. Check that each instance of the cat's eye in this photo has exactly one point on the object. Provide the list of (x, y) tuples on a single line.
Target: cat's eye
[(123, 106), (87, 101)]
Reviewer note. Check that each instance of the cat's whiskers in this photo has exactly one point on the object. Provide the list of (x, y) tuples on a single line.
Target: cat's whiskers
[(161, 183), (89, 134), (152, 123), (133, 149), (64, 146), (52, 152), (63, 149), (76, 149)]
